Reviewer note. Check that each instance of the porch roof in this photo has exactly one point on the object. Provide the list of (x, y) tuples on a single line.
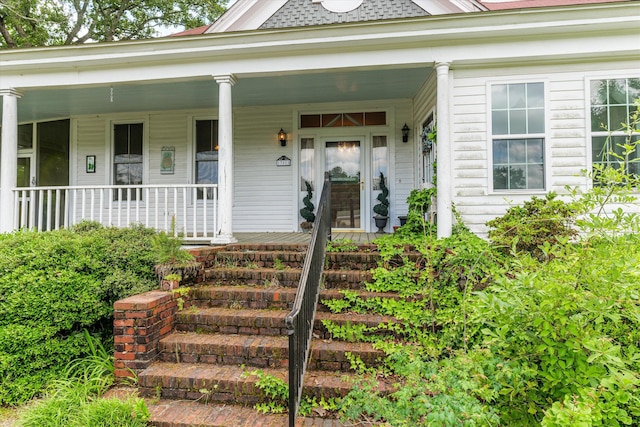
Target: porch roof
[(376, 60)]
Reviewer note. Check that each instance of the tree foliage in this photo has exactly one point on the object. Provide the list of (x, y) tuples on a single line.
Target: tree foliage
[(27, 23)]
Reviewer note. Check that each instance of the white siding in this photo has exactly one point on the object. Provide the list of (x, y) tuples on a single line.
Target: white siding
[(263, 192), (567, 139), (404, 161)]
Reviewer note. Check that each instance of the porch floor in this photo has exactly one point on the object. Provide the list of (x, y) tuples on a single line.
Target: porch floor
[(303, 238)]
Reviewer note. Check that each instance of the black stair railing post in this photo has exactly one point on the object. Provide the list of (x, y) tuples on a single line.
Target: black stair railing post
[(300, 320)]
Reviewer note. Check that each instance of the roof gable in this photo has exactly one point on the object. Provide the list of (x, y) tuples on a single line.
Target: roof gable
[(297, 13), (255, 14)]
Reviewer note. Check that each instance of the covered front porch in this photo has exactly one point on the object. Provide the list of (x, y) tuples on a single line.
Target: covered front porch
[(255, 179)]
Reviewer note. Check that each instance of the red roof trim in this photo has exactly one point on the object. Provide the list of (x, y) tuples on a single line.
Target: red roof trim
[(527, 4)]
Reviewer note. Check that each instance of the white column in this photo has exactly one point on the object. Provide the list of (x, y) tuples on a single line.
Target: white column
[(225, 159), (443, 153), (9, 159)]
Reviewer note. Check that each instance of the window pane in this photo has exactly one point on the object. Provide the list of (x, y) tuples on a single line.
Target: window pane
[(517, 122), (310, 121), (535, 153), (331, 120), (500, 154), (53, 153), (598, 92), (535, 95), (499, 122), (380, 164), (135, 138), (306, 162), (500, 178), (378, 118), (120, 139), (517, 97), (204, 135), (499, 97), (517, 151), (536, 121), (25, 136), (598, 118), (599, 149), (517, 178), (617, 92), (207, 172), (618, 116), (535, 175), (353, 119)]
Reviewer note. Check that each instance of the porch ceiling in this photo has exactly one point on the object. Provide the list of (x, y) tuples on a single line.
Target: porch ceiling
[(329, 86)]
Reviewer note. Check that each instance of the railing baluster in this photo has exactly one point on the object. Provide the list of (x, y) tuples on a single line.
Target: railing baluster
[(147, 207), (185, 229), (56, 224), (32, 208), (66, 214)]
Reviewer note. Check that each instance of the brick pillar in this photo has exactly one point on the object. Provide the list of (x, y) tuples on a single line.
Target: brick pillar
[(140, 322)]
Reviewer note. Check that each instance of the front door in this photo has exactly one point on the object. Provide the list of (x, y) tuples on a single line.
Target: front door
[(343, 161)]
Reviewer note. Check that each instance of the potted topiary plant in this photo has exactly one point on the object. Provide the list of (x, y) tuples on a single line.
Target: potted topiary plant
[(174, 266), (382, 208), (307, 211)]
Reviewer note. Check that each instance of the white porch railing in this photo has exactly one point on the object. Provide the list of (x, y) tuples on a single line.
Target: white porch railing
[(194, 207)]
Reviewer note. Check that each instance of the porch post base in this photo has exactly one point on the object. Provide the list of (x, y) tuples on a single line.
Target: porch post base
[(223, 240)]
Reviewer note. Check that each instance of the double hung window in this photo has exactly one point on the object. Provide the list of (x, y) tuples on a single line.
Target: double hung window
[(518, 136), (613, 142)]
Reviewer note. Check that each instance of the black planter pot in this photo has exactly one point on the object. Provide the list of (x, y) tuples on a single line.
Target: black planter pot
[(381, 223), (403, 220)]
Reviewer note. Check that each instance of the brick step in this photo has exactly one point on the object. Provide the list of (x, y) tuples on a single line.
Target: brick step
[(281, 298), (265, 259), (288, 277), (294, 259), (184, 413), (261, 351), (262, 322), (233, 384)]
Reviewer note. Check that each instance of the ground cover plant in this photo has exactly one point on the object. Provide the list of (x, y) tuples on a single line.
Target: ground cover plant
[(55, 284)]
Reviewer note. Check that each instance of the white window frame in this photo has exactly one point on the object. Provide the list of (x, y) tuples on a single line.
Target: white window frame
[(590, 132), (145, 150), (546, 157)]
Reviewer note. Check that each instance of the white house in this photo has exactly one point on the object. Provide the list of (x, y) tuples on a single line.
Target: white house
[(187, 127)]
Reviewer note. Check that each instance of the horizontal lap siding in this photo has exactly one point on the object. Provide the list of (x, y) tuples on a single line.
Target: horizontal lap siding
[(404, 164), (566, 141), (263, 196)]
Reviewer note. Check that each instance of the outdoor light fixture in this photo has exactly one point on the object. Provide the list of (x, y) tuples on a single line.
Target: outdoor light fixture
[(282, 137), (405, 133)]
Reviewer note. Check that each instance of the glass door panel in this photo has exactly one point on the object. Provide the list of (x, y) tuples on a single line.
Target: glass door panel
[(343, 162)]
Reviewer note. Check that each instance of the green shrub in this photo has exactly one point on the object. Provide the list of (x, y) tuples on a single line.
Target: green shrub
[(55, 284), (571, 328), (75, 399), (537, 222)]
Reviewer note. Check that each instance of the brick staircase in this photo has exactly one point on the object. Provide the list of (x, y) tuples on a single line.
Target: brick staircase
[(195, 353)]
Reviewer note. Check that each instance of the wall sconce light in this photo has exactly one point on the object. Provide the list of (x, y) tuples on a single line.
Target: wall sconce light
[(282, 137), (405, 133)]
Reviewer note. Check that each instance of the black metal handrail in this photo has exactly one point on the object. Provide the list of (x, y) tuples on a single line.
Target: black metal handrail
[(300, 321)]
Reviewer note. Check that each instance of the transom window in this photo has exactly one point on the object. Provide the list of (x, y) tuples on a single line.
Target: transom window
[(518, 135), (612, 104), (127, 157), (332, 120)]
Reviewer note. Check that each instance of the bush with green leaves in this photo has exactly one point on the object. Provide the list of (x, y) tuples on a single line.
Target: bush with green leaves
[(75, 400), (572, 324), (55, 284), (536, 222)]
